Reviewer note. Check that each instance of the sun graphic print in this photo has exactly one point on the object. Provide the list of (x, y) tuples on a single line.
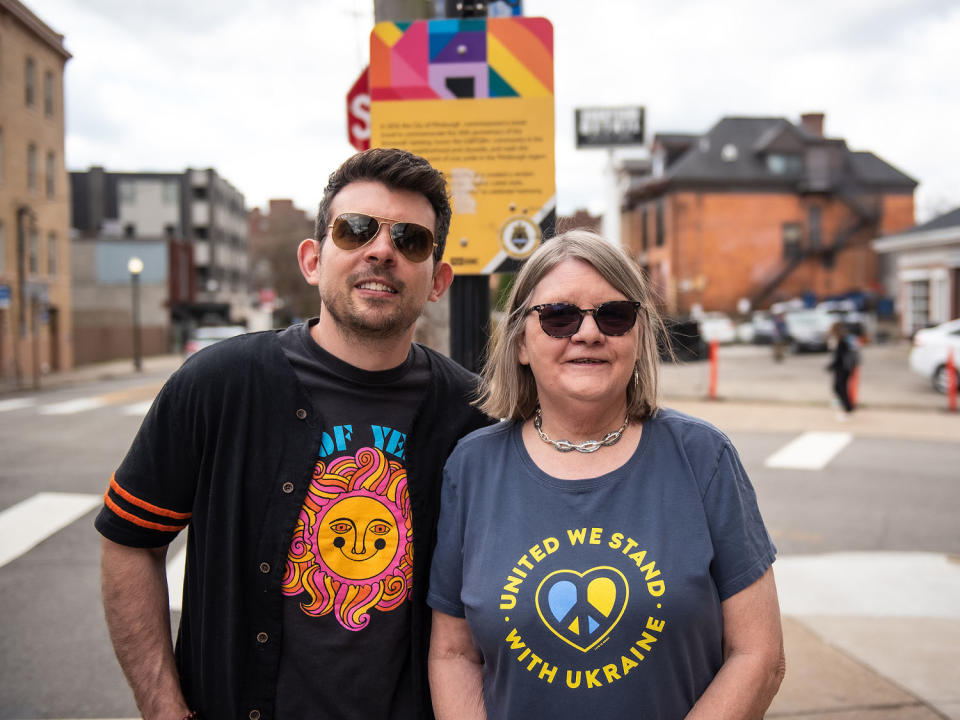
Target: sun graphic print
[(352, 548)]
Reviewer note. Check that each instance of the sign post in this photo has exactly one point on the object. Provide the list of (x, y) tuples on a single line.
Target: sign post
[(474, 97), (609, 128)]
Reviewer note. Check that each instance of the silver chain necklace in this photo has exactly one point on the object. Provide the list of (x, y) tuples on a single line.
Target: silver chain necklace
[(587, 446)]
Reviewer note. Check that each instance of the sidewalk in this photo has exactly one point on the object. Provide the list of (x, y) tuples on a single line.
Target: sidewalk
[(898, 659)]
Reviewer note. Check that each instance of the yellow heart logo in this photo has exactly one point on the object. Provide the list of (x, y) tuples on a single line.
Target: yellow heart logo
[(582, 608)]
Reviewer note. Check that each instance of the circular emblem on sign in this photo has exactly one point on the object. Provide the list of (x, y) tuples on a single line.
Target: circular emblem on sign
[(519, 236)]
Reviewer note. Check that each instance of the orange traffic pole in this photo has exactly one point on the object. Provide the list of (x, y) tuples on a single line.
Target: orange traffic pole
[(951, 382), (853, 385), (713, 370)]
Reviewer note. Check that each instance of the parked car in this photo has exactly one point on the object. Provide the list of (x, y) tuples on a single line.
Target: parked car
[(809, 329), (929, 354), (762, 323), (857, 322), (717, 326), (208, 335)]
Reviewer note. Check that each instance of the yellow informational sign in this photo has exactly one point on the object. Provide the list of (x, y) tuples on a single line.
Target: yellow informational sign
[(474, 97)]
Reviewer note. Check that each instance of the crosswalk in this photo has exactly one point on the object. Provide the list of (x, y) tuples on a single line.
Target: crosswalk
[(29, 522), (76, 406)]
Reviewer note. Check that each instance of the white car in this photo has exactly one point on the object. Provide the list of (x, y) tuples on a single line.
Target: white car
[(717, 326), (809, 329), (929, 354)]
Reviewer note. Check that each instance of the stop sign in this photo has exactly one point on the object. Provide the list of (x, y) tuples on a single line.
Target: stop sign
[(358, 112)]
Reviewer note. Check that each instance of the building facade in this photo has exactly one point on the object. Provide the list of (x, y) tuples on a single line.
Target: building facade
[(922, 271), (35, 312), (190, 231), (760, 209)]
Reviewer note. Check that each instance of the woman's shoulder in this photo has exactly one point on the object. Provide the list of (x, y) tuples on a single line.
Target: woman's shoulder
[(688, 429), (482, 442)]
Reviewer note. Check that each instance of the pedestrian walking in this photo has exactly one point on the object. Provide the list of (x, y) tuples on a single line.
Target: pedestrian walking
[(846, 357)]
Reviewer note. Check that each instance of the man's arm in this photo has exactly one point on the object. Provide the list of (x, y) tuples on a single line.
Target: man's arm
[(753, 664), (135, 602), (455, 668)]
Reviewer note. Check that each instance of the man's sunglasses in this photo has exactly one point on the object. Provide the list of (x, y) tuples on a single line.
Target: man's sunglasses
[(563, 320), (352, 230)]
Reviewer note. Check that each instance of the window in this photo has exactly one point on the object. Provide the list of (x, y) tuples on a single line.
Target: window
[(127, 189), (33, 252), (792, 240), (48, 93), (52, 254), (30, 81), (814, 226), (170, 193), (129, 231), (784, 164), (51, 175), (200, 193), (660, 223), (919, 303), (31, 167)]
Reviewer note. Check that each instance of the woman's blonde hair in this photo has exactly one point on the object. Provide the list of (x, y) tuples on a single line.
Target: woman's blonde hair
[(509, 389)]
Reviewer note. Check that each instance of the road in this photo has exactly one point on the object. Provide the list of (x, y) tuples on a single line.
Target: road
[(875, 503)]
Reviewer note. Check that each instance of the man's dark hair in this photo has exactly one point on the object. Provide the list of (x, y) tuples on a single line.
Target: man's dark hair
[(398, 170)]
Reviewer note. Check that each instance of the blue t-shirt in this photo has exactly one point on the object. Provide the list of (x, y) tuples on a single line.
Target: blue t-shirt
[(597, 597)]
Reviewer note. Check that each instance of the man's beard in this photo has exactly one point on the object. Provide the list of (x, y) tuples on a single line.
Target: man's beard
[(354, 321)]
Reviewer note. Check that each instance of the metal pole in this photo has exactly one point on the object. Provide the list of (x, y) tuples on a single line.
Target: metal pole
[(135, 285)]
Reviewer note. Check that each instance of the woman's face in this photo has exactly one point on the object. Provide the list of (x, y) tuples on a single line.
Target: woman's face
[(588, 366)]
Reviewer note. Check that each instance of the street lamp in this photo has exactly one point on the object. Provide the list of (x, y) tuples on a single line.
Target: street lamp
[(135, 267)]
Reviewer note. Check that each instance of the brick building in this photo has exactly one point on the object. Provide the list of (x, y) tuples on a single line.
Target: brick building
[(35, 328), (274, 237), (763, 209)]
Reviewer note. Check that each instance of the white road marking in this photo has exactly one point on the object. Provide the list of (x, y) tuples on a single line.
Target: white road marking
[(16, 404), (28, 523), (69, 407), (809, 451), (138, 409), (175, 570), (869, 584)]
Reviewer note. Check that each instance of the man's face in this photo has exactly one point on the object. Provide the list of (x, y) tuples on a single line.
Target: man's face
[(374, 291)]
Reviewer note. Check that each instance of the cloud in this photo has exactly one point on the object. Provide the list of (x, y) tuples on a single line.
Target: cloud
[(256, 89)]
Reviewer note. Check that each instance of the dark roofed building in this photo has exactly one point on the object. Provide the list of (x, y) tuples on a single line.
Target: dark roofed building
[(761, 208)]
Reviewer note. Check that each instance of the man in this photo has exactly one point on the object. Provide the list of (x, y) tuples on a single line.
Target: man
[(306, 464)]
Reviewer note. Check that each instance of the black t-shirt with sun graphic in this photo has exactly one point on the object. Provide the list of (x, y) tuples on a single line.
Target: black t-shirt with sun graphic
[(346, 638)]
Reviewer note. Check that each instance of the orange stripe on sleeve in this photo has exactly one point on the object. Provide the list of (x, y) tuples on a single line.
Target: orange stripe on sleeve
[(138, 521), (155, 509)]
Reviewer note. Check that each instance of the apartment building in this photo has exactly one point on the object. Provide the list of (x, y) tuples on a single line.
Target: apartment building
[(35, 329), (761, 209), (188, 228)]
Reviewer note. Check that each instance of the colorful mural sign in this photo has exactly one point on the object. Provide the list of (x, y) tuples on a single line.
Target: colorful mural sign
[(475, 97)]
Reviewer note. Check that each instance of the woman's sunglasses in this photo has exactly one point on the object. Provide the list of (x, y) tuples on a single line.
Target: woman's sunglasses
[(352, 230), (563, 320)]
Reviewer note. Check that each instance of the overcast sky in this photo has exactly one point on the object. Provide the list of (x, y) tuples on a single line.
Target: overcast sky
[(256, 88)]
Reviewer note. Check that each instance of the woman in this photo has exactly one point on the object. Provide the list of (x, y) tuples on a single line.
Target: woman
[(596, 556), (842, 365)]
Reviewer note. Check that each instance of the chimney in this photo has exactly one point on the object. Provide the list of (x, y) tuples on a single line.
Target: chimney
[(813, 123)]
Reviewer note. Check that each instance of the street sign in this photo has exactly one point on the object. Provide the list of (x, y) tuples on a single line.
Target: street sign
[(474, 97), (606, 127), (358, 112)]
